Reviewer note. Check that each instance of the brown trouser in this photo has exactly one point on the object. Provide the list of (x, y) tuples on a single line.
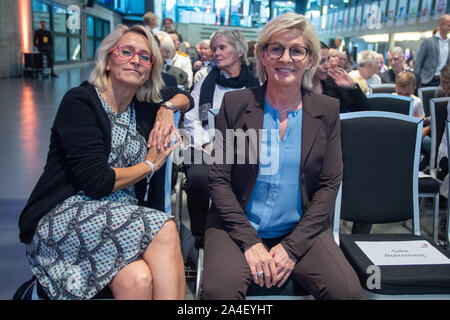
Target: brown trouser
[(323, 270)]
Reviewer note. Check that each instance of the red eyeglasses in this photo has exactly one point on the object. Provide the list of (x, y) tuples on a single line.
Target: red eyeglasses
[(128, 53)]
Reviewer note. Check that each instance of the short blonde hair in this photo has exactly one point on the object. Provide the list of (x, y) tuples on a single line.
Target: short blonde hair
[(149, 91), (290, 21), (405, 79), (367, 57), (333, 53), (150, 19), (205, 41)]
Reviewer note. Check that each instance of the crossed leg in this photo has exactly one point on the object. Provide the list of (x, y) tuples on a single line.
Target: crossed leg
[(158, 274)]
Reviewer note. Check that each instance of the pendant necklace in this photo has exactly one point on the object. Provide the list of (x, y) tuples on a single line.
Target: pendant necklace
[(291, 108)]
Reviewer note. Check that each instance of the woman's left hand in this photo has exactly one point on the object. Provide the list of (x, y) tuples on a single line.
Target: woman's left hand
[(160, 135), (283, 263), (341, 77), (260, 262)]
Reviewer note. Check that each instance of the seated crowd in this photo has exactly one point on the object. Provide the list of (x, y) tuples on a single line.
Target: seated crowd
[(94, 213)]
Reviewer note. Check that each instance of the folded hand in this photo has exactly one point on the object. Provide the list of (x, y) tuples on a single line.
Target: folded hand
[(283, 263), (262, 267)]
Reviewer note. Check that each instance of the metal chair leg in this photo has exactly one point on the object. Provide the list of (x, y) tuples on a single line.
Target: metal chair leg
[(199, 273), (436, 219), (179, 198), (447, 228)]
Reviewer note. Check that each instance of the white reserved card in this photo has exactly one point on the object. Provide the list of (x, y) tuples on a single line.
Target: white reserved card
[(394, 253)]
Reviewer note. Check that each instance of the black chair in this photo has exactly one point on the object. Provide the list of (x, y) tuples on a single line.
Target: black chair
[(426, 94), (380, 153), (447, 218), (32, 290), (438, 115), (381, 88), (429, 186), (390, 103)]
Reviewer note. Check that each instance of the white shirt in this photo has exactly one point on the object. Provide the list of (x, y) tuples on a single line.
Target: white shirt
[(374, 79), (199, 136), (418, 106), (184, 64), (443, 53)]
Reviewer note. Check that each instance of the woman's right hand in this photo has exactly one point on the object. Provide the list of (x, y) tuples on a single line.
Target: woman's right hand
[(341, 77), (259, 260), (158, 158)]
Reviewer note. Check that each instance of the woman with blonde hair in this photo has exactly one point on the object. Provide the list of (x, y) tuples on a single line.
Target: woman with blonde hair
[(270, 220), (333, 58), (85, 225)]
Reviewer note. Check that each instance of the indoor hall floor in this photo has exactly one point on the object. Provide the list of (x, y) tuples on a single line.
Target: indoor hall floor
[(28, 108)]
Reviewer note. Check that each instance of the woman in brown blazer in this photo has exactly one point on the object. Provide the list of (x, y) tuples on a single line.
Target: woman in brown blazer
[(270, 214)]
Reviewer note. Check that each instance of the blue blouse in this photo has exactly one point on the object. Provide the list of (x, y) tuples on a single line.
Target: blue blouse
[(275, 206)]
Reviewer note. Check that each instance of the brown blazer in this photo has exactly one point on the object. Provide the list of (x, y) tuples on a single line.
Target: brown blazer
[(231, 185)]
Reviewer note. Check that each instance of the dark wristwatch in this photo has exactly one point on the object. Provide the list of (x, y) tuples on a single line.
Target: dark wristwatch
[(354, 86), (168, 105)]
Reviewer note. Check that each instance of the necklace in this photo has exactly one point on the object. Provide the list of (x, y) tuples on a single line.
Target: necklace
[(291, 108)]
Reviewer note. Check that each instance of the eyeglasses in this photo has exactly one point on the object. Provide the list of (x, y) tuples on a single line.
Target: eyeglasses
[(394, 59), (128, 53), (276, 51)]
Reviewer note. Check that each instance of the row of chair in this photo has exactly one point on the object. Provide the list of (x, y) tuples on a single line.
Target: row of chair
[(425, 94), (436, 109), (385, 190)]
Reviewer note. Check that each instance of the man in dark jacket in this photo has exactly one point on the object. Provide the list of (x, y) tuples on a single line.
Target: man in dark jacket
[(395, 59), (43, 40), (433, 54)]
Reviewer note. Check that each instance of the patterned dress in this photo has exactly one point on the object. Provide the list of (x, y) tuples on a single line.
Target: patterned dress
[(81, 244)]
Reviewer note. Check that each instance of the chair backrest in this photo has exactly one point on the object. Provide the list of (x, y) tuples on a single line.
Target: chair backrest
[(381, 88), (426, 94), (390, 103), (380, 152), (438, 115), (168, 172)]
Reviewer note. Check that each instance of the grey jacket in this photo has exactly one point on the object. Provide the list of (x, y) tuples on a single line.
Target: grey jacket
[(427, 58)]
